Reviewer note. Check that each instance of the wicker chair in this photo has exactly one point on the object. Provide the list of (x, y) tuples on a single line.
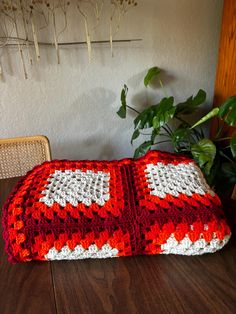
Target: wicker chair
[(19, 155)]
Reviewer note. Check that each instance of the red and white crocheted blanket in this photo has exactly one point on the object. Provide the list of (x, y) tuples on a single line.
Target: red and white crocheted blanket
[(159, 203)]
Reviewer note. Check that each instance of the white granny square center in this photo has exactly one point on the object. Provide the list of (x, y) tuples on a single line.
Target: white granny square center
[(76, 187), (175, 179)]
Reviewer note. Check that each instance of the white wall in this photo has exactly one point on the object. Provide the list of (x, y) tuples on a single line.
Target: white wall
[(74, 104)]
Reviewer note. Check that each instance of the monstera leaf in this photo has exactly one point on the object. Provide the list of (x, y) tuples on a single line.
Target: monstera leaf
[(142, 149), (153, 72), (122, 111), (191, 104), (180, 138), (154, 134), (204, 153), (135, 135), (156, 116), (164, 112), (228, 111)]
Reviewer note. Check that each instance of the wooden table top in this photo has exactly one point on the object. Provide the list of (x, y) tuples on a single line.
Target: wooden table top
[(145, 284)]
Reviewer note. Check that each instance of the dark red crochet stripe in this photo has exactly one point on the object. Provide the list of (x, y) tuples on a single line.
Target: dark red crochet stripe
[(131, 197)]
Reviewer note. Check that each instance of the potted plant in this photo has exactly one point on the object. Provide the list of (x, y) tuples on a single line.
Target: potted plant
[(215, 156)]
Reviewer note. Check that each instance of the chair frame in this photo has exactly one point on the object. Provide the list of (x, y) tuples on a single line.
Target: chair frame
[(41, 138), (18, 141)]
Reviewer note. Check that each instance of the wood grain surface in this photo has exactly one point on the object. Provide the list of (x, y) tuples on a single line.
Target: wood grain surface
[(144, 284), (225, 84), (24, 288)]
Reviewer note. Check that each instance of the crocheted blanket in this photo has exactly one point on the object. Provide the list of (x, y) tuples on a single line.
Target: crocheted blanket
[(157, 204)]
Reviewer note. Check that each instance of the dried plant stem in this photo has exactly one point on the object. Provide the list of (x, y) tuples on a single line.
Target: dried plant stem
[(111, 31), (116, 9), (63, 7), (1, 72), (88, 39), (55, 36), (111, 40), (97, 13), (25, 25), (69, 43), (19, 45), (36, 45)]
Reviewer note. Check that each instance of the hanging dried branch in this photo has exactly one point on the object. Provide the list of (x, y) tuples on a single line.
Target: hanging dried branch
[(88, 39), (21, 21), (64, 5), (14, 9), (118, 10), (35, 37), (25, 26)]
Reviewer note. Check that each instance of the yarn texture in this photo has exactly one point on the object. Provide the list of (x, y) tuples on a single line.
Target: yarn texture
[(157, 204)]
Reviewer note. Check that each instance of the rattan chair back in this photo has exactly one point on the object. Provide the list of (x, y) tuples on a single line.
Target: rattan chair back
[(19, 155)]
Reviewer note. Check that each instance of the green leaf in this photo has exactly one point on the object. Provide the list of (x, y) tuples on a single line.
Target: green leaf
[(155, 71), (212, 178), (214, 112), (155, 132), (204, 153), (122, 111), (191, 104), (228, 111), (229, 172), (233, 146), (142, 149), (135, 135), (180, 135), (156, 116), (164, 112)]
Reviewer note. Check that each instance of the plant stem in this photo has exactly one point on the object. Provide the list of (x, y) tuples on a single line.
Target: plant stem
[(162, 142), (131, 108), (182, 120), (220, 130), (169, 128), (162, 86), (162, 134), (222, 139), (225, 156), (167, 131)]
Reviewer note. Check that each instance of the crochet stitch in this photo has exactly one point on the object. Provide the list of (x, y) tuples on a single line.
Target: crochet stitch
[(157, 204)]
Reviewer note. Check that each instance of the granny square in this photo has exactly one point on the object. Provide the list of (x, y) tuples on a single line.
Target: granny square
[(157, 204)]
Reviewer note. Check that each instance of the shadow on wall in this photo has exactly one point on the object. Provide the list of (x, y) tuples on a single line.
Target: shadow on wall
[(151, 95), (81, 150), (88, 127)]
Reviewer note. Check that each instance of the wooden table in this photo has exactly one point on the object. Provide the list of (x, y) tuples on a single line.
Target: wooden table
[(145, 284)]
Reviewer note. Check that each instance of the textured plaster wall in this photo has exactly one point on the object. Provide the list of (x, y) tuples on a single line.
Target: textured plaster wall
[(74, 104)]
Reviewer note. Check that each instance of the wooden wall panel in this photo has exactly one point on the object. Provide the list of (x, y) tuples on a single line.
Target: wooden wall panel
[(225, 84)]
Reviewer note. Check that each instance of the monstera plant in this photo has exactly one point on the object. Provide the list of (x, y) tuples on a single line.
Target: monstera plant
[(168, 122)]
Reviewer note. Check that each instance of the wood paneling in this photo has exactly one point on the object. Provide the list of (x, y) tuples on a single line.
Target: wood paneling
[(225, 84)]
